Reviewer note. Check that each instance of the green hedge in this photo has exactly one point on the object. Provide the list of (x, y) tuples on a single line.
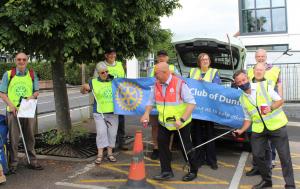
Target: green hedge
[(43, 69)]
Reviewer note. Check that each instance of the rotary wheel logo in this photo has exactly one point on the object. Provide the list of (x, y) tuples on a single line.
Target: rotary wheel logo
[(20, 90), (129, 96)]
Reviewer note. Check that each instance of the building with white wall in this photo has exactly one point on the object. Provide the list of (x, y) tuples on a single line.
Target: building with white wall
[(274, 26)]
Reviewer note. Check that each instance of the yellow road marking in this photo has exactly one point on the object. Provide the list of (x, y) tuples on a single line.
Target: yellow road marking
[(226, 164), (101, 181), (111, 167), (217, 181), (250, 186), (194, 182), (295, 155), (281, 178)]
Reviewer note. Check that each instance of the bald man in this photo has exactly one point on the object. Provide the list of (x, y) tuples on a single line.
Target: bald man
[(272, 72), (175, 104), (17, 83)]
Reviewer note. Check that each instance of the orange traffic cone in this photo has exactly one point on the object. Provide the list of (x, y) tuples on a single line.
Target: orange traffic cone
[(137, 176)]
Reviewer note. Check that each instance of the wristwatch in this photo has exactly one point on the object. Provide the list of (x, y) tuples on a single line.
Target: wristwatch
[(182, 120)]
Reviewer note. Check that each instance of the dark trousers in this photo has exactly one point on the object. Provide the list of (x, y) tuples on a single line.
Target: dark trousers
[(201, 132), (279, 138), (121, 130), (27, 125), (163, 140), (268, 157)]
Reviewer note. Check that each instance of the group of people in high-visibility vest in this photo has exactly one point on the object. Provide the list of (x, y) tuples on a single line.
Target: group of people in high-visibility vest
[(261, 101)]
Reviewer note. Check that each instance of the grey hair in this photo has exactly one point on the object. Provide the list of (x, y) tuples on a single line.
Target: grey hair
[(101, 66)]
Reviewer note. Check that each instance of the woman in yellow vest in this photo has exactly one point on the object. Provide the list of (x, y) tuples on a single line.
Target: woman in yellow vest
[(106, 125), (202, 130)]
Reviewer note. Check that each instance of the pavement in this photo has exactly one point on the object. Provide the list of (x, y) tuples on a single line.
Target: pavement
[(70, 173)]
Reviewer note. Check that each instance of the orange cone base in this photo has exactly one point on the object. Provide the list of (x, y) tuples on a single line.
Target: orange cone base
[(141, 184)]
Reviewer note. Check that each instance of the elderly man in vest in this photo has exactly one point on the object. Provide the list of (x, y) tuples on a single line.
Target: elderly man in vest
[(16, 83), (162, 56), (262, 109), (175, 104), (116, 69), (271, 74)]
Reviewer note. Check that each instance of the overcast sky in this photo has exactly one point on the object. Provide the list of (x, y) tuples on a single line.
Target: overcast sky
[(199, 18)]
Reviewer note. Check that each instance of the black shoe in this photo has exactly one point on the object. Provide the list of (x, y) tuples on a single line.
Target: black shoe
[(13, 170), (164, 176), (214, 166), (35, 166), (123, 148), (155, 154), (189, 177), (263, 184), (252, 172)]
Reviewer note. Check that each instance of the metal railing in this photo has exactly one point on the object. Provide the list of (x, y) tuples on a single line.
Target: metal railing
[(289, 75)]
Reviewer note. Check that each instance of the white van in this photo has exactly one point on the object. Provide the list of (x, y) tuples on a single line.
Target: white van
[(227, 55)]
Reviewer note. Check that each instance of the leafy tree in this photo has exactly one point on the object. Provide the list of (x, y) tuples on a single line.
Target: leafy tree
[(60, 30), (164, 42)]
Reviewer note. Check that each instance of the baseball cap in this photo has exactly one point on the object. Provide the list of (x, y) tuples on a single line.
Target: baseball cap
[(110, 50), (162, 52)]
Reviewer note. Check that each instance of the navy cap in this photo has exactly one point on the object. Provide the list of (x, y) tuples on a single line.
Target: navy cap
[(162, 52), (110, 50)]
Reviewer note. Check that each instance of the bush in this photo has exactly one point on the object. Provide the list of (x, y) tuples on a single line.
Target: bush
[(43, 70), (77, 134)]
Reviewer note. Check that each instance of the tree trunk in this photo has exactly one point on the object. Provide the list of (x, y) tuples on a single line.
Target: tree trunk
[(63, 119)]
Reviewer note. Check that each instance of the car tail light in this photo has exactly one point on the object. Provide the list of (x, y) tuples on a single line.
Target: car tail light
[(240, 139)]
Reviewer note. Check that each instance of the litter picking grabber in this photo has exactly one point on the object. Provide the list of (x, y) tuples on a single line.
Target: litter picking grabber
[(187, 165), (200, 145), (107, 123), (22, 136)]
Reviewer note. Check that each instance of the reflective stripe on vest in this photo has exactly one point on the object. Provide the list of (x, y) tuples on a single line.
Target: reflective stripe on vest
[(171, 104), (195, 73), (117, 70), (19, 86), (171, 68), (103, 93), (273, 120), (270, 75)]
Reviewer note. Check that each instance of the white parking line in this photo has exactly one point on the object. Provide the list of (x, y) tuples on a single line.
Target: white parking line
[(79, 185), (87, 168), (234, 184)]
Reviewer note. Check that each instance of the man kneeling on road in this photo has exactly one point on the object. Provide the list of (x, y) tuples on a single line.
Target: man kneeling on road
[(16, 83), (175, 105), (263, 108)]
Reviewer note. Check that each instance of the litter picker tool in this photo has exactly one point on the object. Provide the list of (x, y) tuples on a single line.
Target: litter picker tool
[(284, 53), (200, 145), (187, 165), (22, 136), (107, 123)]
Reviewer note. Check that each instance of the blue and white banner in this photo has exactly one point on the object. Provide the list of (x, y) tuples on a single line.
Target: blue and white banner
[(131, 95), (214, 102)]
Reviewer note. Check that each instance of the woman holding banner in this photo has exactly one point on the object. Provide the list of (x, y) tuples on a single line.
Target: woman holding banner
[(202, 130), (103, 111)]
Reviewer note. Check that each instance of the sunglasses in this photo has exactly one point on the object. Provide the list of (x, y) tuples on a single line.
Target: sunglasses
[(21, 59), (104, 72)]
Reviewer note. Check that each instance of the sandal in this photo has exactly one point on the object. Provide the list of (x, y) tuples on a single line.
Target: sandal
[(111, 158), (98, 160)]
